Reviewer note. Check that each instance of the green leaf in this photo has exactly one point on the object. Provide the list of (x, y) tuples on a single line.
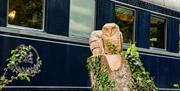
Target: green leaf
[(18, 59), (12, 62), (12, 51), (141, 78), (21, 77), (28, 79), (8, 66), (176, 85), (153, 39), (3, 78)]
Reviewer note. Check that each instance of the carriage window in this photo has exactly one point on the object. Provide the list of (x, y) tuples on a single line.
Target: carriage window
[(82, 17), (26, 13), (157, 32), (124, 17)]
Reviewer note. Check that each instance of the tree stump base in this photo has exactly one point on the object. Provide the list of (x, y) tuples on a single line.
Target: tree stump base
[(118, 71)]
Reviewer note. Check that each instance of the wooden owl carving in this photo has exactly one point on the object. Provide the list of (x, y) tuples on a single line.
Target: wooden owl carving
[(96, 43), (111, 34)]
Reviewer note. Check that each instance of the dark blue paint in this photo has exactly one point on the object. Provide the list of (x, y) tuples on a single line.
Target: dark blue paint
[(3, 12), (57, 17), (142, 29), (151, 7), (164, 70), (174, 69), (63, 65), (152, 67), (172, 35), (104, 13)]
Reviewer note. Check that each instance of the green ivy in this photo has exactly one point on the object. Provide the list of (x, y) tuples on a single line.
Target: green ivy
[(112, 48), (175, 85), (14, 59), (22, 55), (141, 78), (102, 82)]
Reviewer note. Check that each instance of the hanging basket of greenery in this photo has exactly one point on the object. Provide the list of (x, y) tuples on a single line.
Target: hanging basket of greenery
[(23, 63)]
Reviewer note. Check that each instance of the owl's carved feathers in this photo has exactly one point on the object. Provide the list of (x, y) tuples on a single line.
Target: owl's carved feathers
[(96, 43), (99, 39), (111, 33)]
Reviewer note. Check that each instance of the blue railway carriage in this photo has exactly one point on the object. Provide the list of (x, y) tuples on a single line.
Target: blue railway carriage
[(59, 30)]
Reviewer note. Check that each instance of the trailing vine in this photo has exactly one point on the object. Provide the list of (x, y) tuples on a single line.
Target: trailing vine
[(112, 48), (22, 65), (101, 78), (141, 78)]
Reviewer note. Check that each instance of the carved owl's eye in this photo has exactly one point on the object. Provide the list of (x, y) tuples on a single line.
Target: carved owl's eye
[(106, 32), (113, 30)]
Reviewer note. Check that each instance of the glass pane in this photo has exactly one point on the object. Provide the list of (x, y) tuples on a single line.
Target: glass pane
[(157, 32), (82, 13), (125, 19), (26, 13)]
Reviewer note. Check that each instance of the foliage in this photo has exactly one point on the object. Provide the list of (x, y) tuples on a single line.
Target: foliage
[(29, 13), (127, 30), (176, 85), (112, 48), (141, 79), (126, 26), (102, 82), (21, 65), (157, 32)]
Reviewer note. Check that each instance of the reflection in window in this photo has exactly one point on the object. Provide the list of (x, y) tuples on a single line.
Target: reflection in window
[(157, 32), (125, 19), (26, 13), (82, 17)]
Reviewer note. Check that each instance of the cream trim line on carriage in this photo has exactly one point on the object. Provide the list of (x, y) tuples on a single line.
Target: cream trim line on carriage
[(170, 4)]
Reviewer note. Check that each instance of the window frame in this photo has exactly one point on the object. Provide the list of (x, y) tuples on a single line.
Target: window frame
[(165, 32), (27, 28), (134, 22)]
